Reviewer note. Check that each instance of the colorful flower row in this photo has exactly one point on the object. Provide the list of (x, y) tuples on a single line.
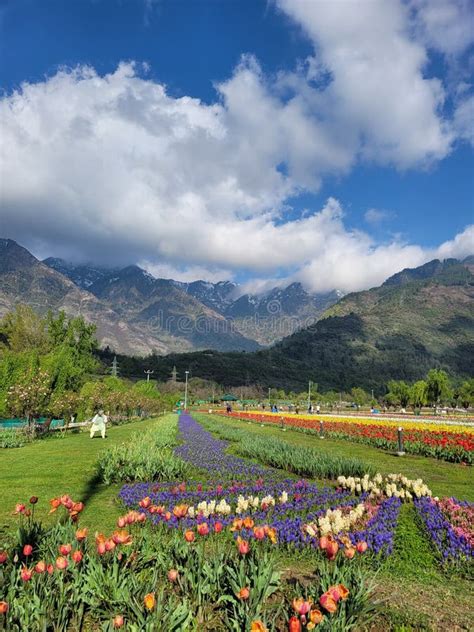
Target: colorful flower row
[(449, 524), (447, 445)]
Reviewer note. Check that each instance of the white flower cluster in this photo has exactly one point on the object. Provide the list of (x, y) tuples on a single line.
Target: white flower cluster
[(244, 503), (334, 521), (207, 509), (392, 485)]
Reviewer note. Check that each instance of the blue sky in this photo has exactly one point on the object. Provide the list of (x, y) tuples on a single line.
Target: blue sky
[(390, 198)]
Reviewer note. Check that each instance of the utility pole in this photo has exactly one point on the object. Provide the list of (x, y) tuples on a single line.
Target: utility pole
[(114, 369), (186, 392), (148, 373)]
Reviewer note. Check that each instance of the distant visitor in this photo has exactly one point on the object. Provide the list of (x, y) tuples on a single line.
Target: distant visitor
[(98, 424)]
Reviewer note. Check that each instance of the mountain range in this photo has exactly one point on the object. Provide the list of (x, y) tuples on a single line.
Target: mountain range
[(418, 319), (138, 314)]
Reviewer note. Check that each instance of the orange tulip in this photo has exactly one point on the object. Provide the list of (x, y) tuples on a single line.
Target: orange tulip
[(122, 537), (244, 594), (332, 549), (294, 625), (327, 602), (173, 575), (180, 511), (65, 549), (77, 557), (149, 601), (237, 524), (81, 534), (121, 522), (259, 533), (248, 523), (3, 607), (316, 616), (203, 528), (338, 592), (257, 626), (145, 502), (118, 621), (361, 547), (349, 552), (61, 563), (40, 567), (243, 546), (189, 535), (323, 542), (272, 534), (110, 544), (101, 548), (26, 574)]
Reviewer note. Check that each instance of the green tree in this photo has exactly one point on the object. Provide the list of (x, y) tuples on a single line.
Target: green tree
[(465, 393), (23, 330), (438, 386), (30, 399), (398, 393), (359, 396), (419, 394)]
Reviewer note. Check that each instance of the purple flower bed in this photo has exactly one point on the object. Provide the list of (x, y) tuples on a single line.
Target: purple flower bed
[(450, 545), (306, 501)]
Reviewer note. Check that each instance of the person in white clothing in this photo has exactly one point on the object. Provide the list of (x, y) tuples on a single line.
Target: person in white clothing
[(98, 424)]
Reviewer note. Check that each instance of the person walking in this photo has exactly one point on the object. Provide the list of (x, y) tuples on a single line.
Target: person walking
[(98, 424)]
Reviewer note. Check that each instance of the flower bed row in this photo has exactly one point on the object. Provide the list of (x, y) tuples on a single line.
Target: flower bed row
[(457, 447)]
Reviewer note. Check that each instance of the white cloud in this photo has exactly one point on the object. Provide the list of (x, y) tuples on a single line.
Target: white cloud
[(378, 95), (376, 216), (464, 118), (446, 25)]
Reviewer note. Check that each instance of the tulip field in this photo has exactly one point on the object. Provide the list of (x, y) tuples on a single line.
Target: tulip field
[(454, 443), (260, 535)]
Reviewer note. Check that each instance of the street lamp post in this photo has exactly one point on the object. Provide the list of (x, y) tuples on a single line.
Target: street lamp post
[(309, 396), (186, 392), (148, 373), (269, 397)]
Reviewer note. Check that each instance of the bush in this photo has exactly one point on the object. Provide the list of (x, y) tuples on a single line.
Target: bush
[(147, 456), (13, 438)]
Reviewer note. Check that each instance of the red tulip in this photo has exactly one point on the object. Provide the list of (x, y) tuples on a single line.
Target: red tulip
[(101, 548), (244, 594), (118, 621), (27, 550), (145, 502), (61, 563), (3, 557), (26, 574), (243, 546), (77, 557), (259, 533), (294, 625), (65, 549), (50, 569), (332, 549), (323, 542), (218, 527), (203, 528), (40, 567), (361, 547), (300, 606), (3, 607), (328, 602), (173, 575), (19, 508)]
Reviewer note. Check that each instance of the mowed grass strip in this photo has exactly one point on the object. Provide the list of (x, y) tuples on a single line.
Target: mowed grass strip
[(444, 479), (63, 465)]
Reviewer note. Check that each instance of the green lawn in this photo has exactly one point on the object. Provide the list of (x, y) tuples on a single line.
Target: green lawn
[(444, 479), (63, 465)]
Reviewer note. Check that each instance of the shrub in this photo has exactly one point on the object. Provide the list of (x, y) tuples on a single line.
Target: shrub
[(147, 456)]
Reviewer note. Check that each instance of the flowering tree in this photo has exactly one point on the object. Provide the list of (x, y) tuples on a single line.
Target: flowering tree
[(31, 398)]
